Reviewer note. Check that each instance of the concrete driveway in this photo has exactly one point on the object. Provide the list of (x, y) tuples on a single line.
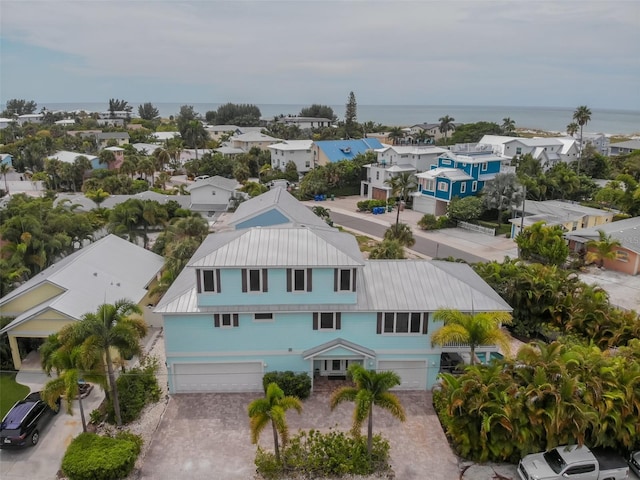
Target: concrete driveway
[(204, 436), (42, 462)]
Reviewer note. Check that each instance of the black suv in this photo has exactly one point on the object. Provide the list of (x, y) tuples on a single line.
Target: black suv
[(21, 426), (451, 362)]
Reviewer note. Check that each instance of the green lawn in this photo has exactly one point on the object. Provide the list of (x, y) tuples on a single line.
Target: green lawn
[(10, 392)]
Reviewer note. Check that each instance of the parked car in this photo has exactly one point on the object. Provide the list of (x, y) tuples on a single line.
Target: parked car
[(21, 426), (451, 362), (634, 462), (201, 177), (573, 462)]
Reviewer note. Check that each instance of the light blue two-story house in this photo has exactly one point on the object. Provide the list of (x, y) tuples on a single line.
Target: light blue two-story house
[(302, 298), (454, 175)]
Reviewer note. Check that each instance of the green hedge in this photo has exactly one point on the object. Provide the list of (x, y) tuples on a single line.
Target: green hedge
[(101, 458), (136, 388), (292, 384), (367, 205)]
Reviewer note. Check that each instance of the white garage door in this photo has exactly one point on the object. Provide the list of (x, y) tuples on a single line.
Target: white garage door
[(217, 377), (413, 373)]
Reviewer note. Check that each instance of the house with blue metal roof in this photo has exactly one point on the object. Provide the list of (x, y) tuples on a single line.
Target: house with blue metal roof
[(455, 175), (331, 151)]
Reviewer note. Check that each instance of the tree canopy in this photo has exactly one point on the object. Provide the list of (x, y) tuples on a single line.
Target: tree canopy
[(242, 115), (19, 106), (318, 111), (147, 111)]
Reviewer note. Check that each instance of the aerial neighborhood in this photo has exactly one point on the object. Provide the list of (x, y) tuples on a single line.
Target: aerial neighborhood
[(468, 291)]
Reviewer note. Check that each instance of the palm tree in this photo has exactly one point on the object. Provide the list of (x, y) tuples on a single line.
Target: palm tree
[(153, 214), (272, 408), (582, 115), (387, 250), (402, 233), (475, 329), (107, 157), (401, 186), (162, 157), (195, 135), (602, 249), (396, 134), (508, 125), (572, 128), (72, 368), (110, 327), (4, 169), (371, 388), (502, 193), (98, 196), (446, 125)]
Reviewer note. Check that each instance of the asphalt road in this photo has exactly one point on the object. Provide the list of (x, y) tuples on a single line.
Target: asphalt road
[(422, 245)]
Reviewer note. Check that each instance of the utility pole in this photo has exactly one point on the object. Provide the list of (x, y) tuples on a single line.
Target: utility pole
[(524, 199)]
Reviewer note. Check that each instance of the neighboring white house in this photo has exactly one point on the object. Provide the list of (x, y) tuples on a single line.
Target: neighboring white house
[(30, 118), (305, 122), (5, 122), (393, 160), (66, 156), (296, 151), (622, 148), (213, 194), (162, 136), (549, 150), (217, 131), (599, 141)]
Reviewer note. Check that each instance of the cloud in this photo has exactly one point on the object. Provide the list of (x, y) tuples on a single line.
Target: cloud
[(386, 51)]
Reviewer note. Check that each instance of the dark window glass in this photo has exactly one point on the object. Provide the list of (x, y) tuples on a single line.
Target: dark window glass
[(345, 279), (208, 280), (335, 365), (298, 280), (226, 319), (263, 316), (254, 280), (415, 323), (402, 323), (388, 322), (326, 320)]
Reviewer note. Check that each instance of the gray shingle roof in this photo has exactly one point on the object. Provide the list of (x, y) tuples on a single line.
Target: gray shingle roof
[(229, 184), (627, 232)]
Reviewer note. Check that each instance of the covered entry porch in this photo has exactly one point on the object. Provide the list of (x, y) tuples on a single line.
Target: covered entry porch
[(332, 359)]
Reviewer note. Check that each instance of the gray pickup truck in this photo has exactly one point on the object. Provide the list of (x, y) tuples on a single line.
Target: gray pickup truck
[(573, 462)]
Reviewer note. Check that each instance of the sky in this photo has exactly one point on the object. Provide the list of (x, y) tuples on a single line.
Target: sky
[(504, 53)]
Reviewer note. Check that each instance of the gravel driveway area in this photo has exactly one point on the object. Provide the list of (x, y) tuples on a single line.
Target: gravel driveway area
[(204, 436)]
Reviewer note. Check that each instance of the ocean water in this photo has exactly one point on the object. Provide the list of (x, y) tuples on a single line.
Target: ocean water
[(624, 122)]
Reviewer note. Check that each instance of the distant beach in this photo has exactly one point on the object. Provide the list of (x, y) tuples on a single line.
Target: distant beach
[(619, 122)]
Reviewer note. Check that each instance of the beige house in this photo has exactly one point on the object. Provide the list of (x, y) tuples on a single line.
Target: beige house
[(247, 141), (102, 272)]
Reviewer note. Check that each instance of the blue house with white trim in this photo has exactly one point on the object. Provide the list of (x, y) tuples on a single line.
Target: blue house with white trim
[(303, 298), (454, 175), (331, 151)]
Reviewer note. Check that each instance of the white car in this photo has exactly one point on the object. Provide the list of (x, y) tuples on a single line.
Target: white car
[(201, 177)]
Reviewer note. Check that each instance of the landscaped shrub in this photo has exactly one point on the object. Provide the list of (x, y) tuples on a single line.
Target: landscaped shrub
[(136, 388), (334, 454), (428, 222), (367, 205), (101, 458), (292, 384)]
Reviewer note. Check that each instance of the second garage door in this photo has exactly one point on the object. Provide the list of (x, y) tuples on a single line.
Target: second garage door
[(218, 377), (413, 373)]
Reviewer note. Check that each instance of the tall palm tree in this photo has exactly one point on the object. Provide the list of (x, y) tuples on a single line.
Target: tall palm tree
[(602, 249), (402, 233), (71, 367), (401, 186), (4, 169), (195, 135), (396, 134), (508, 125), (110, 327), (387, 250), (502, 192), (106, 157), (272, 408), (446, 125), (582, 115), (162, 157), (153, 214), (475, 329), (371, 388)]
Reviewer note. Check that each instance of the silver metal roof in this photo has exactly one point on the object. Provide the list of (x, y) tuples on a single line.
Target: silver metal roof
[(105, 271), (281, 200), (338, 342), (279, 247)]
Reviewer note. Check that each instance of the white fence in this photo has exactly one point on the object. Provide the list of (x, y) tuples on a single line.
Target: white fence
[(477, 228)]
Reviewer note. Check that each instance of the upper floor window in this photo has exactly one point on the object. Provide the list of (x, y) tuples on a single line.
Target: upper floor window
[(378, 175), (263, 317), (474, 186), (485, 165), (622, 256), (463, 187), (225, 320), (327, 321), (299, 279), (402, 322), (344, 280), (428, 184), (518, 150), (208, 281), (443, 186), (254, 280)]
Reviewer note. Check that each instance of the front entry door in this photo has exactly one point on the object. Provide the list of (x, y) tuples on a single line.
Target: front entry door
[(336, 366)]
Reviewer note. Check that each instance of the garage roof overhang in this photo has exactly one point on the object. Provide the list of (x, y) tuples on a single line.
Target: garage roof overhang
[(337, 344)]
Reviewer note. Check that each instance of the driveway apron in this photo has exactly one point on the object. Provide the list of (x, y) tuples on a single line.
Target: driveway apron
[(206, 436)]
